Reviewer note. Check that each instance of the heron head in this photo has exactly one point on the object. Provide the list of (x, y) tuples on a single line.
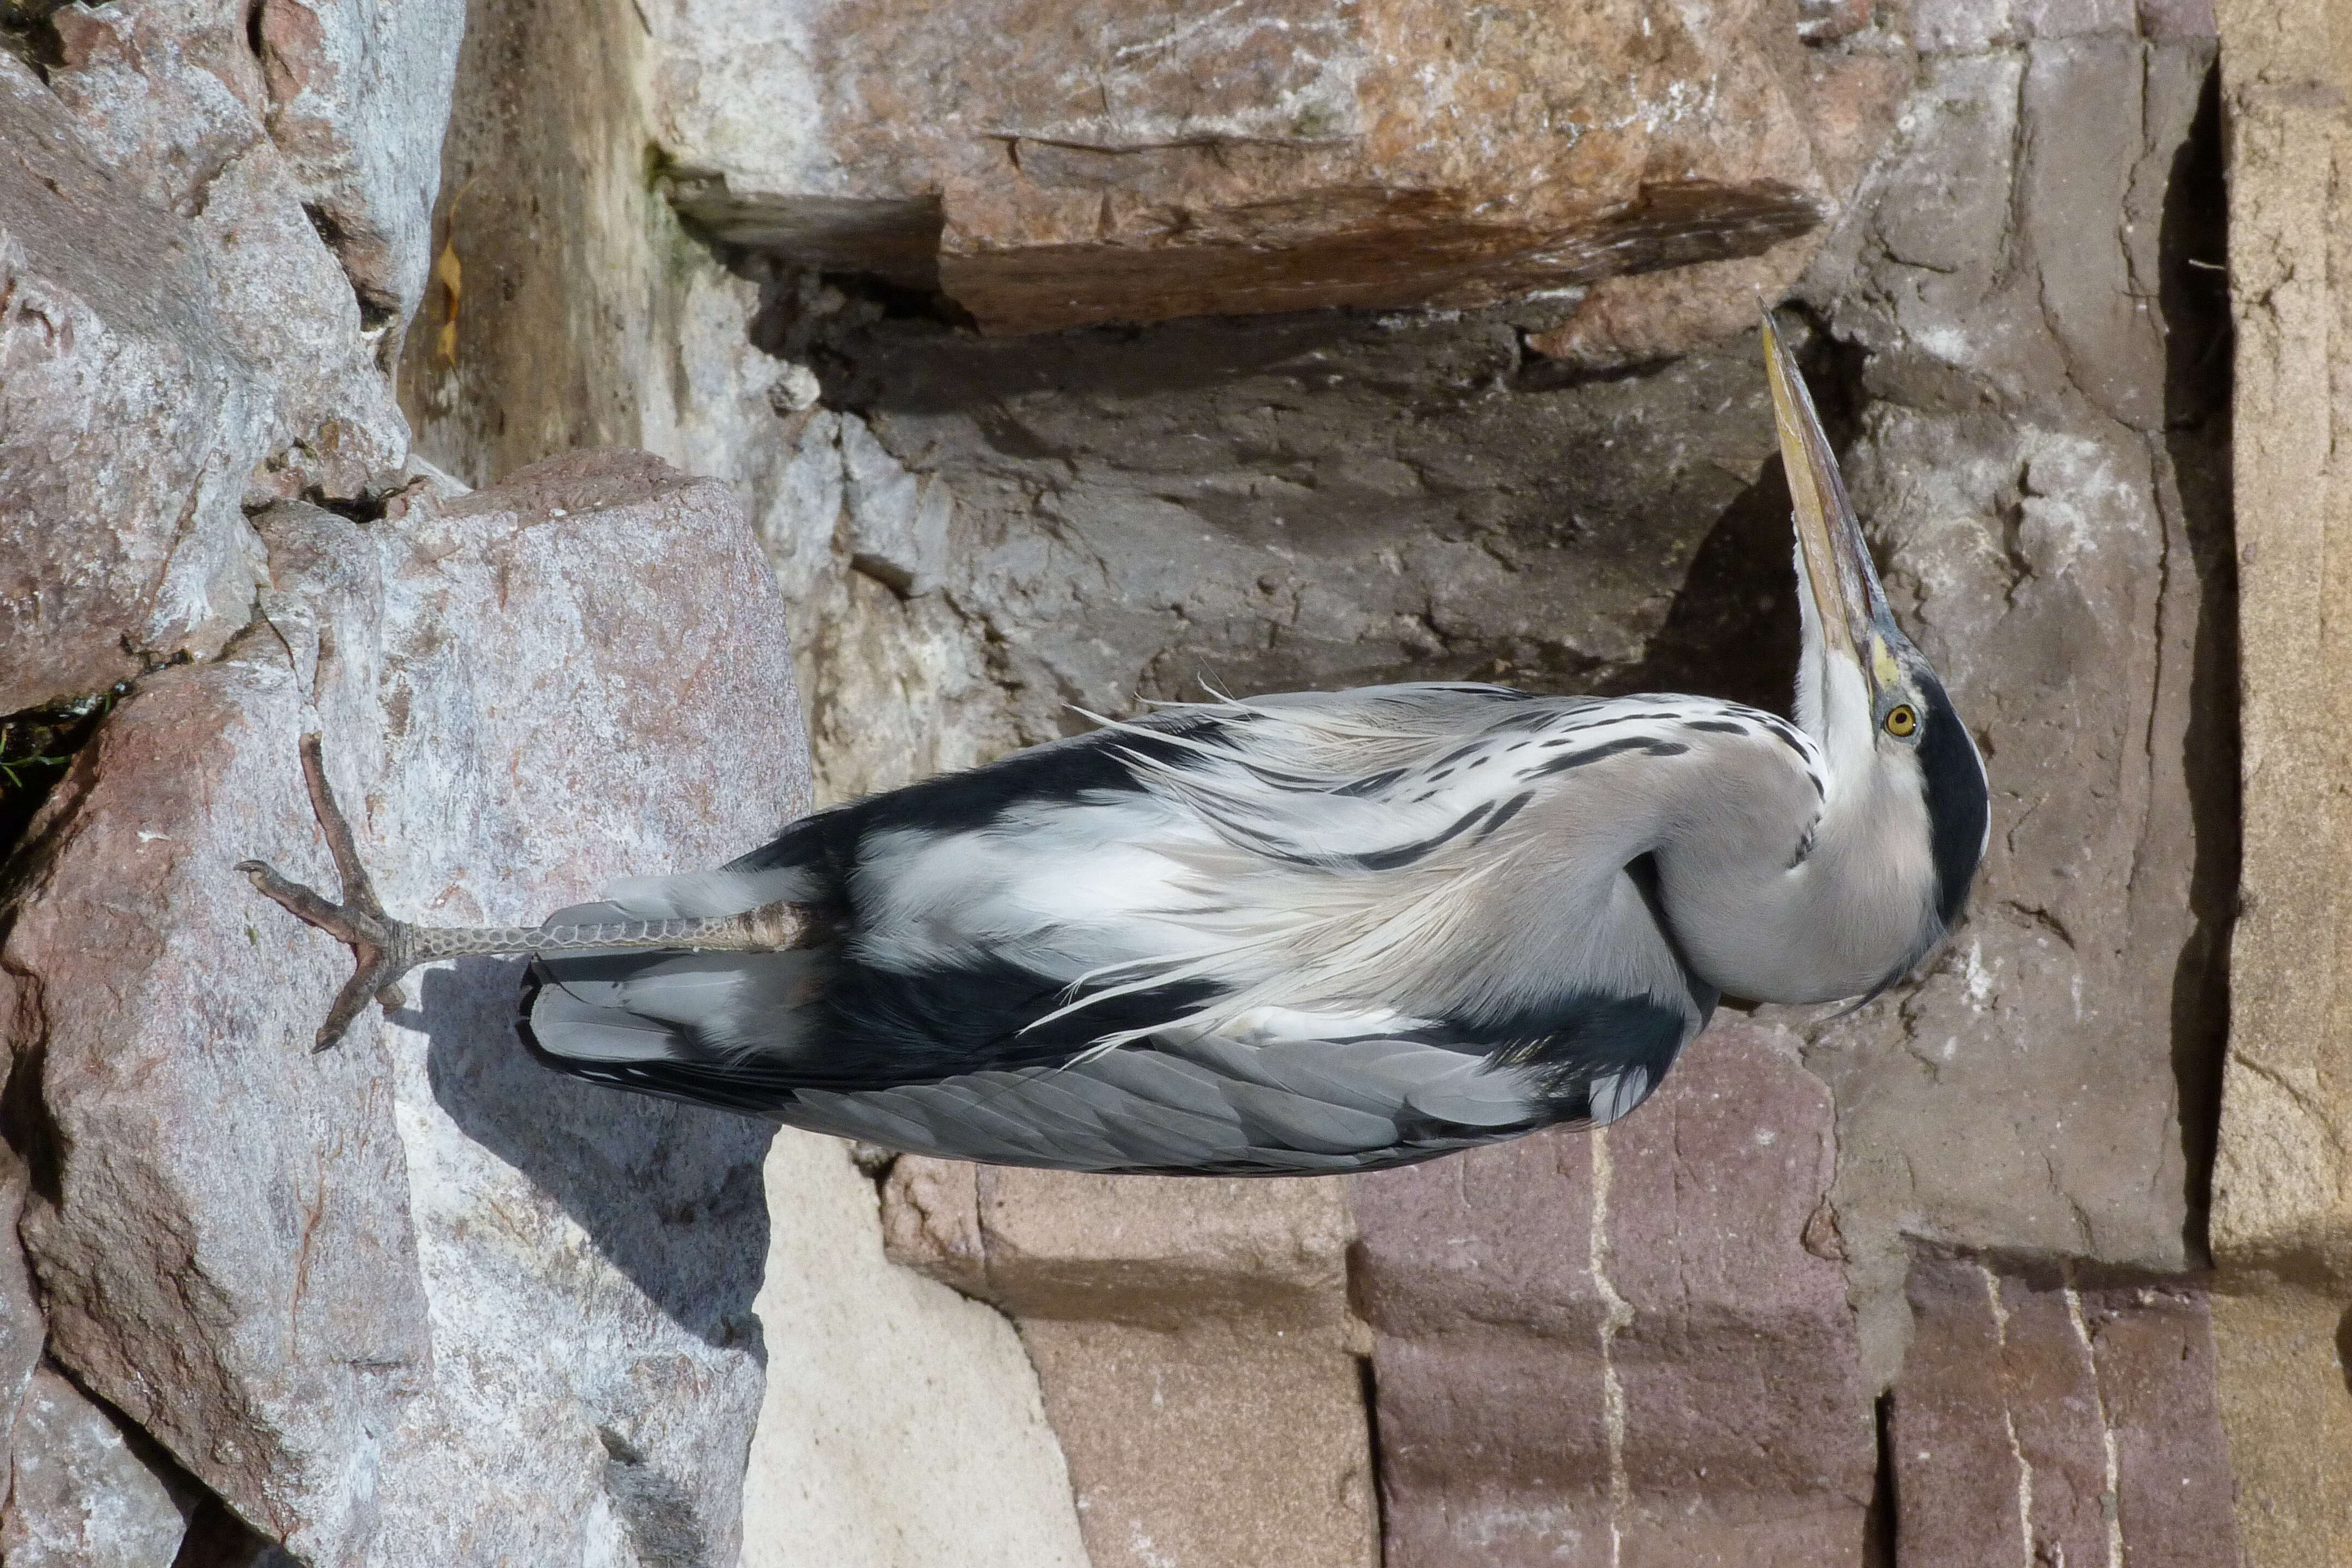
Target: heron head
[(1888, 732)]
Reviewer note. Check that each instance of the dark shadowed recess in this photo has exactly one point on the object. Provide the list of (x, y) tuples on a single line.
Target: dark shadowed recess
[(37, 746), (27, 32), (878, 348), (1528, 433), (1368, 1381), (1878, 1524), (669, 1195), (216, 1538), (1337, 439), (2193, 294), (1733, 629)]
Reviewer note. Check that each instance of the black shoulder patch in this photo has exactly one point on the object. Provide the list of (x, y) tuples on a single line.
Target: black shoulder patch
[(1061, 771), (1568, 1041)]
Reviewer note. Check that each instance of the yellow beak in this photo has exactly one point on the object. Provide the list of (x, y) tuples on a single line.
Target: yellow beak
[(1837, 561)]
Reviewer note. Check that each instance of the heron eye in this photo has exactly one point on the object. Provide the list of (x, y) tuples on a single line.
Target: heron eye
[(1902, 720)]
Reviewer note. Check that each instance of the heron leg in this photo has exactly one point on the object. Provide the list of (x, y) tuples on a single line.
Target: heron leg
[(382, 948)]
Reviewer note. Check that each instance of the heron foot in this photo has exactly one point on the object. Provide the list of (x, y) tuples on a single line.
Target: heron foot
[(382, 948)]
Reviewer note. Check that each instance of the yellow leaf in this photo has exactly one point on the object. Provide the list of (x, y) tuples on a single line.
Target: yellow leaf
[(446, 272)]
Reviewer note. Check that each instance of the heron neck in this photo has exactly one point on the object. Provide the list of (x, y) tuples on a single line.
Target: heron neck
[(1798, 897)]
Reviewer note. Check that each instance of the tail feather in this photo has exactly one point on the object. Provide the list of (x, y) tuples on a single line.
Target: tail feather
[(582, 1031), (711, 1007)]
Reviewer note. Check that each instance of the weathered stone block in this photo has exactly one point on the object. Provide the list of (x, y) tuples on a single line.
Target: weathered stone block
[(2282, 1185), (129, 419), (1851, 101), (1193, 1340), (265, 1329), (1616, 1347), (206, 233), (902, 1424), (81, 1496), (931, 1222), (359, 100), (2038, 1423), (339, 106), (2282, 1226), (1159, 1250), (1219, 1445), (1052, 165), (340, 1289), (2289, 1422), (1153, 1250)]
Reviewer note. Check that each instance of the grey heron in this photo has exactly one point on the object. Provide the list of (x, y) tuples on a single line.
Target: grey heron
[(1300, 933)]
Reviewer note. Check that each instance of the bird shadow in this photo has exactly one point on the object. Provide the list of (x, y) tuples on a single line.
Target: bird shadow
[(670, 1195)]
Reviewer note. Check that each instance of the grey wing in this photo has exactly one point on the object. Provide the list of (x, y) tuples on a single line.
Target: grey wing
[(1326, 853), (1213, 1106)]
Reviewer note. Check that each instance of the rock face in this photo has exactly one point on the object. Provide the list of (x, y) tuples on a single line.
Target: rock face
[(1318, 502), (987, 531), (2280, 1200), (1052, 167), (902, 1424), (358, 105), (2031, 416), (2038, 452), (1617, 1346), (126, 407), (2282, 1205), (340, 1289), (207, 233)]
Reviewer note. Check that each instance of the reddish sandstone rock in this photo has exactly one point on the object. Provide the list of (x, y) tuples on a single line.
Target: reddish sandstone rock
[(1193, 1343), (1051, 165), (2039, 1423), (1617, 1347), (1850, 102), (1230, 1444), (2040, 454)]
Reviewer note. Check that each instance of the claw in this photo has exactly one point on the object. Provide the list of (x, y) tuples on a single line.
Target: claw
[(380, 950)]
